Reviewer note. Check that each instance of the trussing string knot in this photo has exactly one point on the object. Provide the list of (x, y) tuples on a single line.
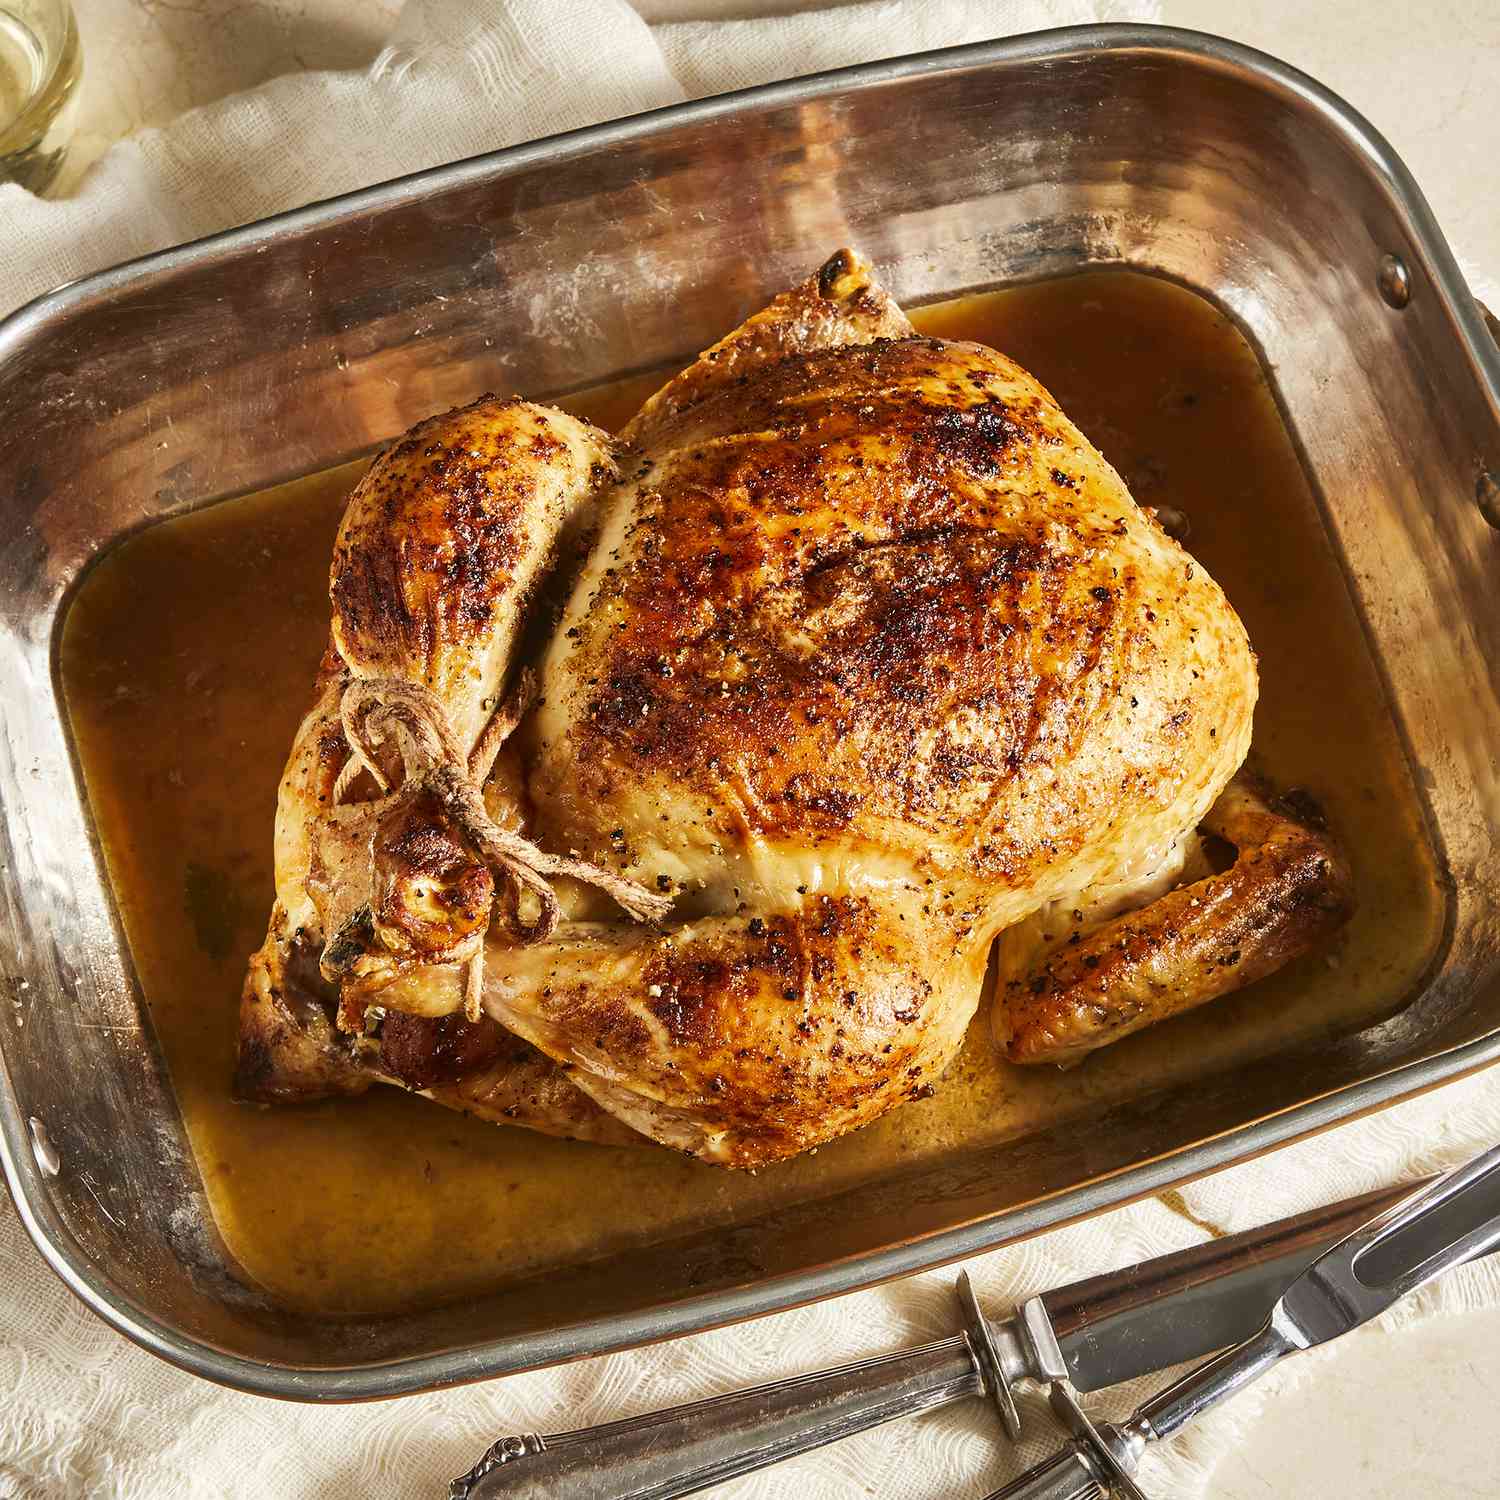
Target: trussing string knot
[(377, 710)]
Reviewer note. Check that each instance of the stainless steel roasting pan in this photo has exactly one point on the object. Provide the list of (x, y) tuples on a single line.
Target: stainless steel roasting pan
[(228, 365)]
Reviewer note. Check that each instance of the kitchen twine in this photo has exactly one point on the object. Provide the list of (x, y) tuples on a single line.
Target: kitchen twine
[(83, 1413), (374, 710)]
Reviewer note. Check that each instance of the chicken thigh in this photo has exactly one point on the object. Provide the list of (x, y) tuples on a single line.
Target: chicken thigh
[(871, 659)]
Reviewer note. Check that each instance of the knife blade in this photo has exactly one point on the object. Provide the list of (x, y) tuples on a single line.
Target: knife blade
[(1173, 1308), (1094, 1332), (1444, 1224)]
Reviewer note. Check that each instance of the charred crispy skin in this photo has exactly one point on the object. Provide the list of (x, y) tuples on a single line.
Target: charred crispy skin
[(446, 538), (441, 548), (872, 658), (840, 306), (734, 1035), (1287, 890)]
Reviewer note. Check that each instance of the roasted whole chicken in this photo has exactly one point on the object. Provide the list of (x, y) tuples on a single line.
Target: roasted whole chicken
[(861, 658)]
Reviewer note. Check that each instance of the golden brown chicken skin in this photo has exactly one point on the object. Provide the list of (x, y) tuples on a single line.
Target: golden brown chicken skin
[(383, 901), (874, 654), (872, 659)]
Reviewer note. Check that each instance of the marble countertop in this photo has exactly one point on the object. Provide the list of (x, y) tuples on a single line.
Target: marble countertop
[(1396, 1416)]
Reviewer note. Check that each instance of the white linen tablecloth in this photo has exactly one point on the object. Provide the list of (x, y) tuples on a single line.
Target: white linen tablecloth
[(85, 1414)]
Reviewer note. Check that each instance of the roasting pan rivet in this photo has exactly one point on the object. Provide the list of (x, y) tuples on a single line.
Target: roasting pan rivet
[(43, 1149), (1394, 281), (1487, 492)]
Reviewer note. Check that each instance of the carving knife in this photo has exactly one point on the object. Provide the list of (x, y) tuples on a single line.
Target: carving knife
[(1090, 1334)]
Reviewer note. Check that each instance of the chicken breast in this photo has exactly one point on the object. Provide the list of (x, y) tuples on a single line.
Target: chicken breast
[(874, 655)]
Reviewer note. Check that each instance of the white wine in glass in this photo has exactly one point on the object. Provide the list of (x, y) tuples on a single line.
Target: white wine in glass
[(40, 65)]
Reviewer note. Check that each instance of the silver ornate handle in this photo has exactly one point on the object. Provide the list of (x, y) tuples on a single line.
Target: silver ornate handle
[(688, 1448), (1069, 1476)]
